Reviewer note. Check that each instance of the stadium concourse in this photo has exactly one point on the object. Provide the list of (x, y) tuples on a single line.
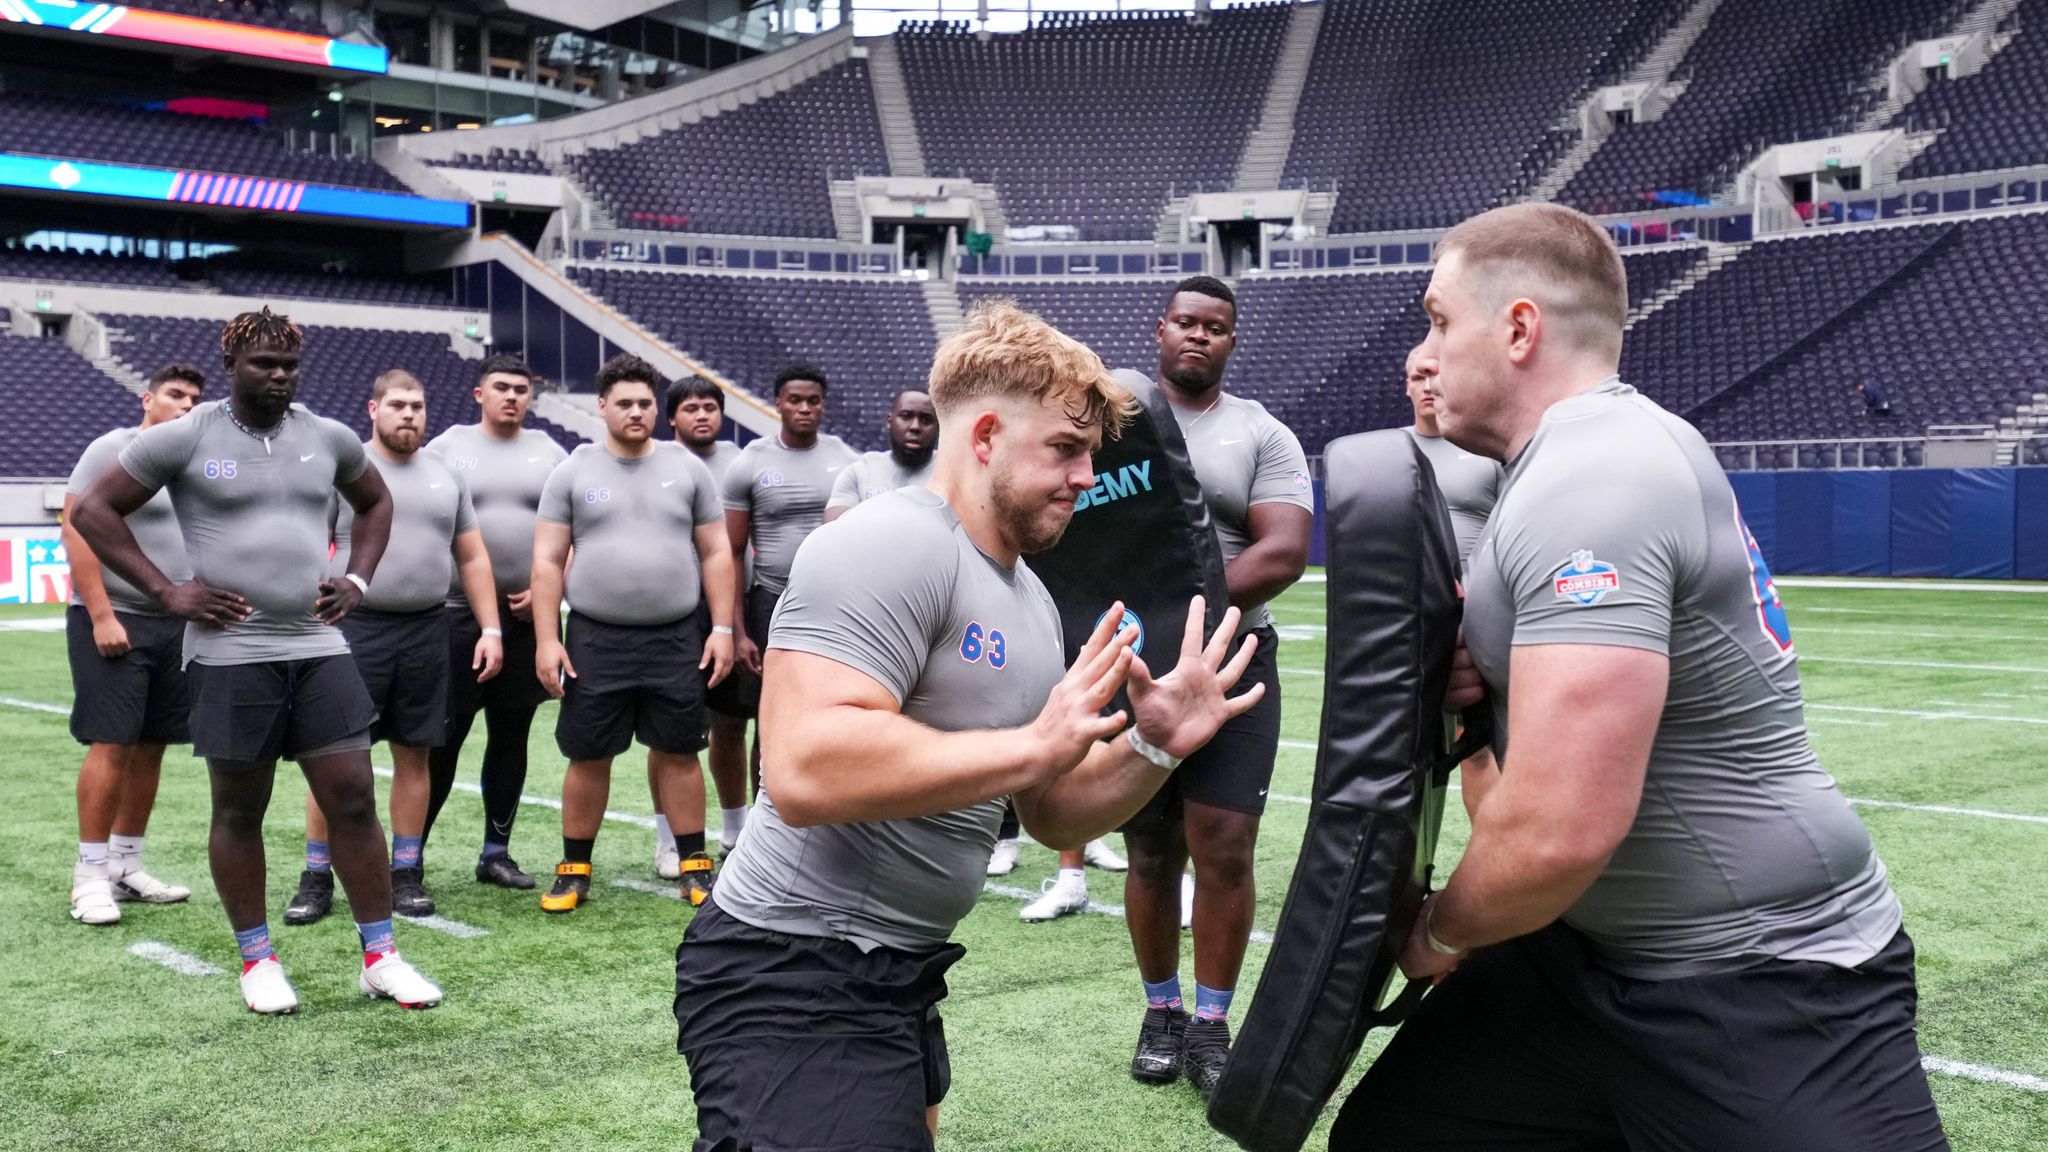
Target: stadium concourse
[(504, 223)]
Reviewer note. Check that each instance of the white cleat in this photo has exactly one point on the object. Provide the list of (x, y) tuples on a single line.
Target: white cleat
[(1098, 855), (391, 978), (141, 886), (668, 864), (266, 991), (1187, 901), (92, 902), (1004, 861), (1062, 896)]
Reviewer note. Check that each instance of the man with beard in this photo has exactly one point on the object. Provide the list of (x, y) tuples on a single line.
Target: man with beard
[(696, 413), (398, 636), (648, 531), (250, 478), (504, 463), (915, 680), (1255, 479), (913, 429)]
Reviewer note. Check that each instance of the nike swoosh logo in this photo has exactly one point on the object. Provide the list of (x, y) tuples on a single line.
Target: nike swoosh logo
[(1262, 791), (1237, 441), (669, 483), (307, 456)]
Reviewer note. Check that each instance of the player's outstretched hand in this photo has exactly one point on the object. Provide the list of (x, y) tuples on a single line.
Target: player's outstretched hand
[(195, 601), (1072, 722), (1179, 711), (551, 664), (488, 659), (718, 657)]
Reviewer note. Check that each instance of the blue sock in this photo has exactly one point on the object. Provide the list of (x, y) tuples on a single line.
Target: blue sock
[(376, 936), (405, 851), (491, 850), (255, 945), (317, 859), (1165, 994), (1212, 1003)]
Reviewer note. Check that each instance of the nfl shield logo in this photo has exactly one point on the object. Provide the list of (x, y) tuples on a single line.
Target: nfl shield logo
[(1584, 580)]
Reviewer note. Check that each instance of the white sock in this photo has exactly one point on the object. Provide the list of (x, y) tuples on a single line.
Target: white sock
[(124, 855), (730, 822), (664, 839), (92, 862), (1073, 878)]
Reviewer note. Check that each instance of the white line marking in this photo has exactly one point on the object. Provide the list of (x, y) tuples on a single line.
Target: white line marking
[(1904, 585), (1933, 664), (1323, 578), (672, 891), (34, 624), (1316, 672), (1962, 704), (1924, 613), (185, 963), (455, 928), (34, 706), (1304, 745), (1983, 1074), (1889, 634), (533, 801), (1944, 809), (1844, 720), (1919, 715), (1095, 908)]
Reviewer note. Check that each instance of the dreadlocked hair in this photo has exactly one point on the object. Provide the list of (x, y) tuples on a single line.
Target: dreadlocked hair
[(265, 329)]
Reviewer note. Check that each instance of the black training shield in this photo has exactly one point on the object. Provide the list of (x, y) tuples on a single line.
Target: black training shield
[(1141, 535), (1380, 777)]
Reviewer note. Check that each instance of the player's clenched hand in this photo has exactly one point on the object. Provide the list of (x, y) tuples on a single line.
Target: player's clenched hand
[(488, 659), (1418, 960), (551, 664), (1072, 721), (195, 601), (109, 637), (748, 652), (718, 657), (1179, 711), (1465, 688), (521, 604)]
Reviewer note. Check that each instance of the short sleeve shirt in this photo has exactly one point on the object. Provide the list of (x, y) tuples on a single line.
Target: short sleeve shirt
[(873, 474), (430, 507), (155, 526), (504, 478), (1469, 484), (632, 524), (1617, 527), (897, 590), (1243, 457), (254, 518), (783, 490)]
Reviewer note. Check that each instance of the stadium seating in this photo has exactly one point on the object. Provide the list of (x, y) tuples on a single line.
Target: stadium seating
[(39, 263), (250, 279), (336, 370), (1762, 73), (1093, 122), (871, 339), (86, 130), (56, 404), (1995, 119), (497, 160), (760, 170)]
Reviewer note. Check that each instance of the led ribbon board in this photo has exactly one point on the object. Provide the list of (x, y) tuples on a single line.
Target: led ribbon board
[(194, 32), (88, 178)]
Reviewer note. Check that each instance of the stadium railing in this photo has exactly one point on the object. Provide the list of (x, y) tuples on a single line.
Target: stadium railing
[(732, 253), (1976, 194), (1941, 446)]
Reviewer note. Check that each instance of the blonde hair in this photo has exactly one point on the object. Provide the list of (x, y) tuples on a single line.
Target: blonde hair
[(1003, 350), (1557, 255)]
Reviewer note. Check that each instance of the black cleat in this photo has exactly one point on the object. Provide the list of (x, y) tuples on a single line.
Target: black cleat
[(409, 893), (1204, 1051), (1159, 1042), (314, 899), (502, 871)]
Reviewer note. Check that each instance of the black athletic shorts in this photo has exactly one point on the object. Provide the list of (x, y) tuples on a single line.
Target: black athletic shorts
[(739, 694), (1235, 768), (632, 680), (1531, 1044), (256, 713), (796, 1042), (516, 686), (403, 660), (139, 698)]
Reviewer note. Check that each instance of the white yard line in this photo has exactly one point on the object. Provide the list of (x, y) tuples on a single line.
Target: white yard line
[(455, 928), (1983, 1074), (1889, 634), (1908, 585), (34, 706), (1946, 810), (673, 891), (1095, 908), (185, 963), (1917, 714), (1935, 665), (34, 624)]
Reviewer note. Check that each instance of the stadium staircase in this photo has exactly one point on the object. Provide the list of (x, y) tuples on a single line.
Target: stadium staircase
[(1719, 256), (846, 213), (944, 305), (599, 213), (1654, 70), (1983, 18), (1265, 152), (892, 108)]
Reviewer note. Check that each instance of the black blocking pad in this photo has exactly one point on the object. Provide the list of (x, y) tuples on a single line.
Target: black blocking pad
[(1141, 535), (1381, 770)]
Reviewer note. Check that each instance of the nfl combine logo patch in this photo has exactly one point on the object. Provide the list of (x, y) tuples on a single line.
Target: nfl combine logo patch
[(1584, 580)]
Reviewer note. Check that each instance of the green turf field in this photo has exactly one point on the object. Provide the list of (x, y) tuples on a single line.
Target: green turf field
[(1930, 706)]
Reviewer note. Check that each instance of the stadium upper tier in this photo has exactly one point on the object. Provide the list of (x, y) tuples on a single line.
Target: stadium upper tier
[(239, 276), (1995, 119), (88, 130), (57, 403)]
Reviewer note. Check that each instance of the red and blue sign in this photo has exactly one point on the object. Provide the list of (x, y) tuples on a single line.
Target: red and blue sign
[(1770, 610), (90, 178), (194, 32), (1584, 580)]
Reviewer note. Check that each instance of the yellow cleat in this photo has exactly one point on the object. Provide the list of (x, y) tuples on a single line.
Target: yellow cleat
[(570, 889), (699, 873)]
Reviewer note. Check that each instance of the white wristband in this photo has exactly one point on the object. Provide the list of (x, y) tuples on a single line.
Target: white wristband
[(359, 582), (721, 629), (494, 631), (1158, 757), (1429, 935)]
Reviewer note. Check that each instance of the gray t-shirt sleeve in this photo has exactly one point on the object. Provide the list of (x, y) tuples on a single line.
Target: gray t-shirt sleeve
[(554, 496), (350, 460), (91, 463), (157, 456), (1604, 566), (846, 489), (465, 508), (705, 505), (1281, 475), (737, 488), (872, 602)]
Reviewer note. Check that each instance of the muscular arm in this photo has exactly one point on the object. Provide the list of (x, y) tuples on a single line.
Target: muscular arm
[(550, 562), (1582, 718), (473, 569), (100, 519), (1276, 556), (720, 591), (85, 568), (371, 500)]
